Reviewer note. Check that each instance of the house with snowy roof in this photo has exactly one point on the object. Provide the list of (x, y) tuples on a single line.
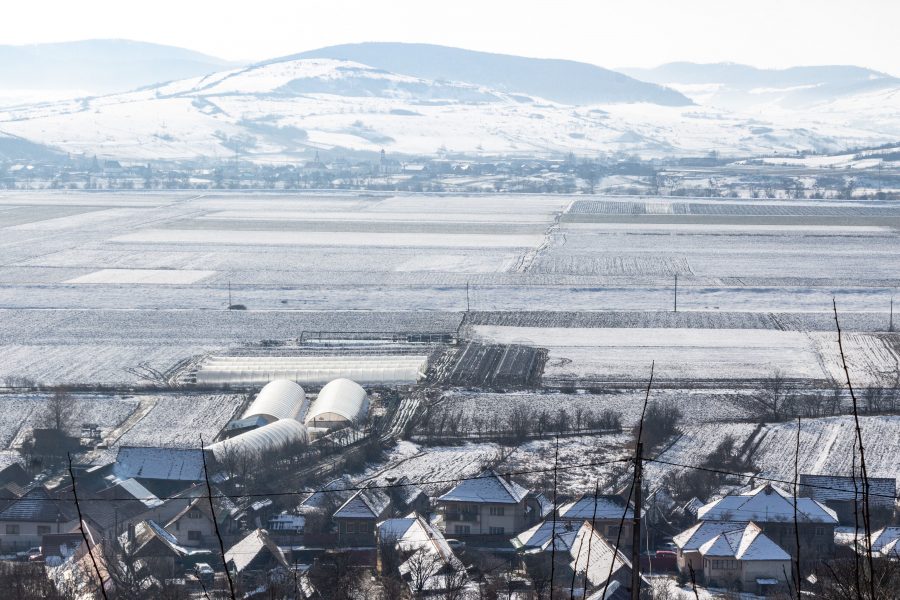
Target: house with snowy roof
[(772, 509), (193, 525), (886, 542), (604, 567), (24, 522), (489, 504), (254, 555), (608, 513), (688, 542), (747, 557), (357, 517), (844, 494), (155, 547), (428, 564)]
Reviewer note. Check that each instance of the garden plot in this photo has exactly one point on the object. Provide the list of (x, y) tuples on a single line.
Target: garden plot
[(143, 276), (321, 238), (583, 460), (872, 358), (626, 354), (20, 413), (439, 467), (181, 421)]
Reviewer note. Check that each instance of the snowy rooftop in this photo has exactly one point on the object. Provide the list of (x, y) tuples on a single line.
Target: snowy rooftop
[(245, 551), (766, 504), (488, 488), (702, 532), (592, 554), (369, 503), (173, 464), (748, 543), (607, 507), (884, 537), (538, 537)]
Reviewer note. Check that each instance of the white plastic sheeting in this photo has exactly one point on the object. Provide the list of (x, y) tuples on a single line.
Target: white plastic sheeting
[(340, 400), (279, 399), (311, 370), (279, 434)]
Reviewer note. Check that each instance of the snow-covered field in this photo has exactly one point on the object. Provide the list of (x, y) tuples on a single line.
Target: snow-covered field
[(160, 267), (625, 354), (149, 276), (180, 421)]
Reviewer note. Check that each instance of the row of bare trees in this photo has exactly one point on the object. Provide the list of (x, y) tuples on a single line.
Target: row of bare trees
[(519, 423)]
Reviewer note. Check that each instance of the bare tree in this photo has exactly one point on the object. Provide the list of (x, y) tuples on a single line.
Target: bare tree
[(58, 413), (769, 403), (422, 566)]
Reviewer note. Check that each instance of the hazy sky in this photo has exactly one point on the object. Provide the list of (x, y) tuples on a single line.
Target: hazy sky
[(767, 33)]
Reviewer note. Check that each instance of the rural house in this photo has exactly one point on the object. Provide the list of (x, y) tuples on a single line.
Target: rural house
[(772, 509), (27, 520), (357, 517), (745, 558), (489, 504)]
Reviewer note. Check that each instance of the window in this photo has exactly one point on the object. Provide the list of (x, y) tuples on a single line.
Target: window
[(463, 529), (193, 514), (496, 511), (194, 535), (43, 529), (12, 530), (496, 530), (612, 531), (820, 531)]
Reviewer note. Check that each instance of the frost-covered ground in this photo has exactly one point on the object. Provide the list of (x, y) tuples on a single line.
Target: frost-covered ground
[(180, 421), (94, 284), (826, 446), (701, 405), (439, 467)]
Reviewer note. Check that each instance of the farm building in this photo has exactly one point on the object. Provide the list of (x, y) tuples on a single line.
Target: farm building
[(274, 436), (340, 403), (279, 399)]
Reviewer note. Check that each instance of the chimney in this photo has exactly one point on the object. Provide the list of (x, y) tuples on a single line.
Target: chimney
[(131, 533)]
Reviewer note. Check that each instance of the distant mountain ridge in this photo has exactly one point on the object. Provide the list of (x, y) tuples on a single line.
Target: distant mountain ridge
[(100, 66), (564, 81), (743, 85)]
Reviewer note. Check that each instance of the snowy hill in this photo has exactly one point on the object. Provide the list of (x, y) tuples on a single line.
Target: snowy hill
[(97, 66), (564, 81), (280, 110)]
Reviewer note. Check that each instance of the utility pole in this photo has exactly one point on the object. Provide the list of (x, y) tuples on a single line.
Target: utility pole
[(229, 295), (636, 527), (891, 324), (676, 292), (467, 296)]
